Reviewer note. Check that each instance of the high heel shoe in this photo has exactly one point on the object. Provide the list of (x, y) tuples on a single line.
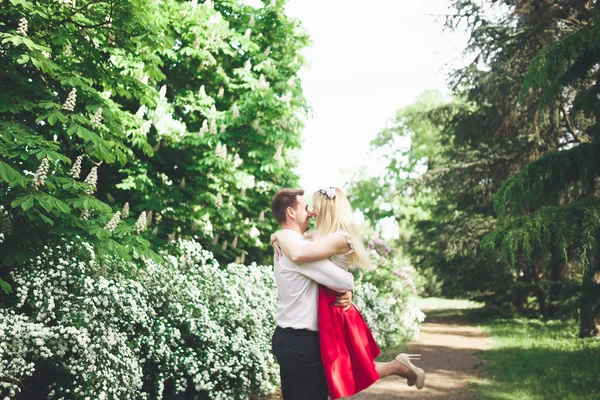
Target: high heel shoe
[(404, 359)]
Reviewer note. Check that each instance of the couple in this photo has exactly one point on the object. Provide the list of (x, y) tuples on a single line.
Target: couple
[(321, 342)]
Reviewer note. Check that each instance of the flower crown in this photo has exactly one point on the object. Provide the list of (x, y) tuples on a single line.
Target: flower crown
[(328, 190)]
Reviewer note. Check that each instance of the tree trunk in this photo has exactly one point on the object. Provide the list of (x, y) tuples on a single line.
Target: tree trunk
[(559, 272), (588, 312)]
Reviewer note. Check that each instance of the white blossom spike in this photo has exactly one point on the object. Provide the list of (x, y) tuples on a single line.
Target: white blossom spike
[(235, 111), (23, 27), (215, 240), (194, 4), (273, 3), (248, 33), (234, 243), (76, 168), (213, 111), (148, 218), (219, 200), (213, 127), (92, 180), (125, 212), (251, 22), (141, 111), (286, 97), (223, 128), (46, 54), (243, 192), (145, 128), (267, 51), (278, 151), (209, 4), (262, 82), (97, 118), (221, 150), (224, 246), (248, 65), (39, 179), (182, 183), (256, 126), (242, 258), (86, 214), (71, 100), (237, 161), (141, 223), (221, 92), (155, 230), (163, 91), (204, 127), (261, 216), (202, 91), (114, 221)]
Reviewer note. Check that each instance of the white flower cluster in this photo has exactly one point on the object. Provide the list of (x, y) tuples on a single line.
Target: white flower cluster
[(92, 180), (71, 100), (97, 118), (141, 223), (262, 83), (141, 111), (39, 179), (76, 168), (221, 150), (278, 152), (182, 326), (114, 222), (145, 128), (235, 111), (23, 27), (390, 319), (237, 161), (219, 200), (125, 211)]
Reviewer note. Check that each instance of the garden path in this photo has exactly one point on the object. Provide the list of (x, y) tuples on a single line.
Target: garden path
[(449, 348)]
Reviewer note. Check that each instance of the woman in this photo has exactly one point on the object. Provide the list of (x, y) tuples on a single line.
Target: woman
[(348, 349)]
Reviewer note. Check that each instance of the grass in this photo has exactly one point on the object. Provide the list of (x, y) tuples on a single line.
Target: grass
[(537, 360)]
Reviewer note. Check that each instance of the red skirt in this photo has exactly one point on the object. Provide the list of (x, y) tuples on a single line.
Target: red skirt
[(348, 349)]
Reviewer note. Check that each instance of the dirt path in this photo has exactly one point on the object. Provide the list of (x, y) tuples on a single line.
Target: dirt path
[(448, 345)]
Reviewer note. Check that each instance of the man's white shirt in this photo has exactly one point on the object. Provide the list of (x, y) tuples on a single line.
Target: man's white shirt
[(298, 287)]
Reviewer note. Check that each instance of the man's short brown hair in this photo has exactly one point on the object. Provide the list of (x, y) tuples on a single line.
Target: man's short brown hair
[(282, 200)]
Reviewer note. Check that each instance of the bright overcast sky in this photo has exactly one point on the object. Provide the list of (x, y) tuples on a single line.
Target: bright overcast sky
[(368, 58)]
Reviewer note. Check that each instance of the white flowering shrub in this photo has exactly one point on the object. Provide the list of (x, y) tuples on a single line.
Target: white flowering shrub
[(109, 329), (392, 319)]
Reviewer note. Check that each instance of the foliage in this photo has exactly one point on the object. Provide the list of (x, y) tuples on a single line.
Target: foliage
[(185, 111), (529, 92), (107, 328), (386, 296)]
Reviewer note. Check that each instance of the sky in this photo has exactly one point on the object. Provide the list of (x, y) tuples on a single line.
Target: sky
[(367, 60)]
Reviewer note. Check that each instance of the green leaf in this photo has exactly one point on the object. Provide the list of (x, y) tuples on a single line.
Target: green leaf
[(46, 203), (10, 175), (5, 286), (27, 204)]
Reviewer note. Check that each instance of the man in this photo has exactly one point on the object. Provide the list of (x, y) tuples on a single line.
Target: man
[(296, 338)]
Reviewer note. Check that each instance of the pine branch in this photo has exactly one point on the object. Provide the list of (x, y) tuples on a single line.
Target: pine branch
[(541, 181), (574, 225)]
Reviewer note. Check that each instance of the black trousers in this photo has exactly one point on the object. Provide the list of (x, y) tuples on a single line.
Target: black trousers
[(300, 366)]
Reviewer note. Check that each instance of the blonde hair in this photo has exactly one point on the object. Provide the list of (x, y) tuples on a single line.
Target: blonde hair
[(334, 215)]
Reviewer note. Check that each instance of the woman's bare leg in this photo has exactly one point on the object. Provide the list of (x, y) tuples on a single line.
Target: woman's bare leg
[(394, 367)]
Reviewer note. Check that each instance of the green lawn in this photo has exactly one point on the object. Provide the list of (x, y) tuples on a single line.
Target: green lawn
[(532, 359)]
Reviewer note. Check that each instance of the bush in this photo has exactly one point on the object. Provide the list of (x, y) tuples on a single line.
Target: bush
[(386, 295), (108, 329)]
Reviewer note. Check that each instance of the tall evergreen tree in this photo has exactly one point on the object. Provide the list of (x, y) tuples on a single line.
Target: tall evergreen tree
[(553, 204)]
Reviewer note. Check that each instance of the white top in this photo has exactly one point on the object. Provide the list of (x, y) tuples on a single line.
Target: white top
[(343, 260), (298, 287)]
